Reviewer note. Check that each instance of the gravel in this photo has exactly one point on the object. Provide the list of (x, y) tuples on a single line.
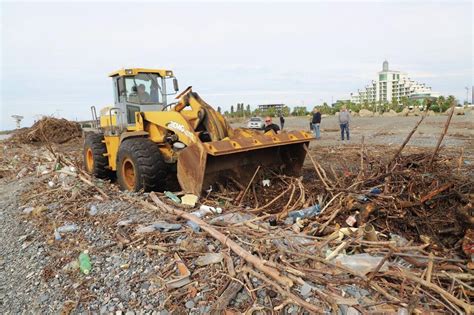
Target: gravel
[(22, 258), (189, 304), (38, 274)]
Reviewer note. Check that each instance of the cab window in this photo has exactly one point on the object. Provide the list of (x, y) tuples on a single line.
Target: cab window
[(121, 90), (143, 89)]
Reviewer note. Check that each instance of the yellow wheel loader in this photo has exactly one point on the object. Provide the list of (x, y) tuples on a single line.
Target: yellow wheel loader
[(146, 141)]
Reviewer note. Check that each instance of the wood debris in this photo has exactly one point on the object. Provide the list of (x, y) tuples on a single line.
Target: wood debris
[(411, 209)]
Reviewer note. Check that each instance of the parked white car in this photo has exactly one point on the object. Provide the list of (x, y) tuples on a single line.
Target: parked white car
[(256, 123)]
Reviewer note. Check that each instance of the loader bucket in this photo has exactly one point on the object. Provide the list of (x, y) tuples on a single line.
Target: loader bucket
[(200, 165)]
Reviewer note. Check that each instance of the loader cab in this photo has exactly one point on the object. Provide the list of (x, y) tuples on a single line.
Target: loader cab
[(141, 90)]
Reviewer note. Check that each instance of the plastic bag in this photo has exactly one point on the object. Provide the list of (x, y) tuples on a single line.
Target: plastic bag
[(361, 263)]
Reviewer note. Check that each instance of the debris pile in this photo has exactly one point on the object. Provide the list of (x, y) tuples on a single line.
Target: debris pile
[(365, 229), (457, 111), (49, 129), (366, 113)]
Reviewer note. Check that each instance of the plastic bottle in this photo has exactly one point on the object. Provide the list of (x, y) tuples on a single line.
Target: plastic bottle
[(28, 210), (57, 236), (210, 209), (172, 196), (68, 228), (159, 226), (199, 213), (305, 213), (194, 226), (203, 211), (85, 262)]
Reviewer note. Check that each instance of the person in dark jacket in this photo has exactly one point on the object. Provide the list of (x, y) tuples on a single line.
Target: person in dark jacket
[(269, 125), (316, 121), (282, 121)]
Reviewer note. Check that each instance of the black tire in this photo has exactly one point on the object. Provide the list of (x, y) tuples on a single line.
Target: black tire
[(172, 183), (142, 157), (95, 162)]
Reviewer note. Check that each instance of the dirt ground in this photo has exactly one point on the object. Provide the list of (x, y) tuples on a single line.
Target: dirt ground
[(129, 268), (392, 130)]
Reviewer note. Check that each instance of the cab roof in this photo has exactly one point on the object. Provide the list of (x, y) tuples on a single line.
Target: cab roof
[(135, 71)]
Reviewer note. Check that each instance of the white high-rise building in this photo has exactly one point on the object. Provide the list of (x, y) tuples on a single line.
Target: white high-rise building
[(391, 84)]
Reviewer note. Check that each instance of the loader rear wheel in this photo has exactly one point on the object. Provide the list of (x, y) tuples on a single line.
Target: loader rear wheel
[(140, 165), (95, 162)]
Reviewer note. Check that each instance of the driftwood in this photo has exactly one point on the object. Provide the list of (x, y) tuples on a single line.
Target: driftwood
[(236, 248), (268, 252), (467, 307), (407, 139), (226, 297), (248, 186), (441, 137), (317, 169), (296, 299)]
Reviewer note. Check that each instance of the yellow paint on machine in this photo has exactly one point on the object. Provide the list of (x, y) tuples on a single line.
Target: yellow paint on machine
[(200, 141), (135, 71), (112, 143)]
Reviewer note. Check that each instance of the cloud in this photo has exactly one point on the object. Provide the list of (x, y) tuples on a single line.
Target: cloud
[(258, 93), (449, 74), (59, 57)]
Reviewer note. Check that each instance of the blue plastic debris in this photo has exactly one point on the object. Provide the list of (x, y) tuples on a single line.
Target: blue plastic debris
[(376, 191), (305, 213)]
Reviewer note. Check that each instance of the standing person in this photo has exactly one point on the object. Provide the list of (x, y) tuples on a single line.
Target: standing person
[(269, 125), (344, 119), (282, 121), (316, 122)]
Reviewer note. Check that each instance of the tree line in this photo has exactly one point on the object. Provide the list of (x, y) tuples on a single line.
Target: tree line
[(441, 104)]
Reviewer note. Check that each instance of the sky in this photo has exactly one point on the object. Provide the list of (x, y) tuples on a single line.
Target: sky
[(56, 57)]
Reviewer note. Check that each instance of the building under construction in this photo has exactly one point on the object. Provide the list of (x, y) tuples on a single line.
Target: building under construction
[(265, 107)]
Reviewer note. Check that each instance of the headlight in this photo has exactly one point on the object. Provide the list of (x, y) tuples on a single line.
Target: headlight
[(169, 73), (179, 145)]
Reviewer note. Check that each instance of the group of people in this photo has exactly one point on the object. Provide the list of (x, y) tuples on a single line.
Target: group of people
[(315, 123), (344, 120)]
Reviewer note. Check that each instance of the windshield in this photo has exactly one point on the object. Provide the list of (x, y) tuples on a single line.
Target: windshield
[(256, 119), (144, 88)]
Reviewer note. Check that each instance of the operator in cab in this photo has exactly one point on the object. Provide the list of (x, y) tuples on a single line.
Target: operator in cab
[(141, 96), (269, 125)]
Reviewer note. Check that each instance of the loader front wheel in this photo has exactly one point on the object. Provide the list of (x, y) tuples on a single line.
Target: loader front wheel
[(140, 165), (95, 162)]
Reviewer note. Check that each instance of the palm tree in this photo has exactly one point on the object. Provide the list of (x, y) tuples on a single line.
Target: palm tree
[(440, 102), (450, 101)]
